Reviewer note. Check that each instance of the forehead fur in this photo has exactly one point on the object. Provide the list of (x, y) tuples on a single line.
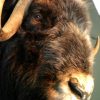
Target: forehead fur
[(71, 10), (60, 3), (43, 1)]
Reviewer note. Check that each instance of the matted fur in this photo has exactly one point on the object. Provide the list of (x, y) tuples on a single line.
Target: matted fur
[(52, 41)]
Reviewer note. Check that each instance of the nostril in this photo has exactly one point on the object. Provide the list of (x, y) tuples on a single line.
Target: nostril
[(73, 84)]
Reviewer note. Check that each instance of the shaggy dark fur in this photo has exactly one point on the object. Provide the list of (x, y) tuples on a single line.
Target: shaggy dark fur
[(48, 42)]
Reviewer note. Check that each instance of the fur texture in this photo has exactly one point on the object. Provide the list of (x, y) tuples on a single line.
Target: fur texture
[(52, 41)]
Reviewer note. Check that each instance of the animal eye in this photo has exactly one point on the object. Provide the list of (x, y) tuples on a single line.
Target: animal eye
[(38, 16)]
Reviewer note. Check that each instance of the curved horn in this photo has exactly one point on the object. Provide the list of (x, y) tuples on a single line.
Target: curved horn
[(15, 19), (97, 45), (1, 6)]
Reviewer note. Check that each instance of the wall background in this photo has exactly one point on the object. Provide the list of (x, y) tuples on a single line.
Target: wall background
[(94, 33)]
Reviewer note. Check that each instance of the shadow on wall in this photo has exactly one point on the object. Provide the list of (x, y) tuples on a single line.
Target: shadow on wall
[(94, 33)]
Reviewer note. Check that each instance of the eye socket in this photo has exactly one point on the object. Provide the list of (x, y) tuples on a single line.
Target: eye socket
[(38, 16)]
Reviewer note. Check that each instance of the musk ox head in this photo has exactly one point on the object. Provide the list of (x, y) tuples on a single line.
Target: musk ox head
[(51, 55)]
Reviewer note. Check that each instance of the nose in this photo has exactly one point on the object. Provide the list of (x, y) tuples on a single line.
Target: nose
[(77, 89)]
